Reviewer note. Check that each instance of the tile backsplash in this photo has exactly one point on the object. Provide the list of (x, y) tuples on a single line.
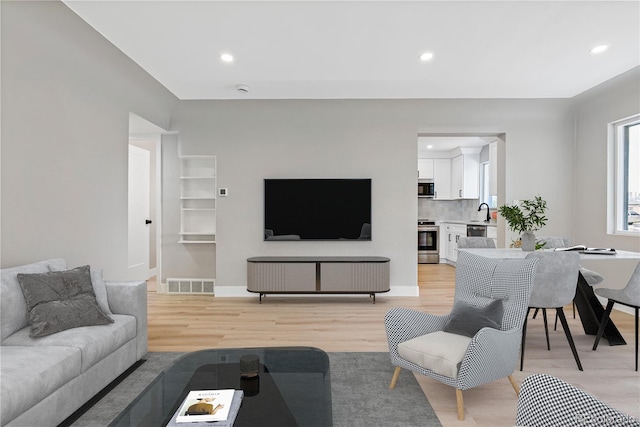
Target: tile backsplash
[(462, 210)]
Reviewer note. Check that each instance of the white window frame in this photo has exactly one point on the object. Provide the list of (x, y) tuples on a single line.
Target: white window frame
[(616, 215)]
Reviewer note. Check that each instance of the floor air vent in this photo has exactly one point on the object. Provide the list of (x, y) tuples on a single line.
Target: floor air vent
[(191, 286)]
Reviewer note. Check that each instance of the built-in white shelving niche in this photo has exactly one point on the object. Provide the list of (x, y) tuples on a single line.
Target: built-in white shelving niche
[(198, 199)]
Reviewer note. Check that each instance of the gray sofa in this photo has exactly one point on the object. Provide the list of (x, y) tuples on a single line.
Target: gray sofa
[(45, 379)]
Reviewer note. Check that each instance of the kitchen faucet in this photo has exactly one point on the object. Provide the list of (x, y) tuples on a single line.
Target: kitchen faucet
[(488, 215)]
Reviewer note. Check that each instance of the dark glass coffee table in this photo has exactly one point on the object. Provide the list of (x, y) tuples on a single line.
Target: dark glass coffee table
[(293, 387)]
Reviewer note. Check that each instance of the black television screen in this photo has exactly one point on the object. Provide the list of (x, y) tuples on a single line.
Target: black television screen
[(317, 209)]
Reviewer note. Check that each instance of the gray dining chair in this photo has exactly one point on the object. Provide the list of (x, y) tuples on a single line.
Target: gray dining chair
[(590, 276), (475, 242), (629, 296), (552, 242), (554, 286)]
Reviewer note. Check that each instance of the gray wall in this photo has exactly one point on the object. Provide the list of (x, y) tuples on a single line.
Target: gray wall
[(613, 100), (363, 138), (67, 94), (66, 98)]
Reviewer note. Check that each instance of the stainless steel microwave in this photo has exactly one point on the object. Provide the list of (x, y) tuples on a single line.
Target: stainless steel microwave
[(426, 189)]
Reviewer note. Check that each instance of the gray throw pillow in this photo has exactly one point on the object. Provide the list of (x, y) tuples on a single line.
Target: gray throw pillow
[(61, 300), (99, 287), (467, 319)]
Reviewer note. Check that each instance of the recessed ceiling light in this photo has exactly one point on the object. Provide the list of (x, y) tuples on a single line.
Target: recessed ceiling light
[(429, 147), (599, 49), (427, 56), (226, 57)]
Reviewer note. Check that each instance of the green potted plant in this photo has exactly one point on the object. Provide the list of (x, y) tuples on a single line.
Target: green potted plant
[(525, 219)]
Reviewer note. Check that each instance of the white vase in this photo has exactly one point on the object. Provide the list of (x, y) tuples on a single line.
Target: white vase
[(528, 241)]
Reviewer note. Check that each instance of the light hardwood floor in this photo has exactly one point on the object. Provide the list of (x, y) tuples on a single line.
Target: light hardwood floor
[(353, 323)]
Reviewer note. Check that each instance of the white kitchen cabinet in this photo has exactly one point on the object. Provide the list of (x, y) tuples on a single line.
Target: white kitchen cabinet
[(457, 172), (465, 175), (452, 234), (442, 178), (198, 199), (425, 168)]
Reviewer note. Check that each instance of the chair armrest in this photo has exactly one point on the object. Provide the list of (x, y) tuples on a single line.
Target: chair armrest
[(547, 400), (491, 355), (130, 298), (403, 324)]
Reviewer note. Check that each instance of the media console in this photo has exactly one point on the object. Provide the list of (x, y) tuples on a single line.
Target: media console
[(318, 275)]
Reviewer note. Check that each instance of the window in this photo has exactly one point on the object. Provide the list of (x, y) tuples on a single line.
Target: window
[(485, 188), (624, 151)]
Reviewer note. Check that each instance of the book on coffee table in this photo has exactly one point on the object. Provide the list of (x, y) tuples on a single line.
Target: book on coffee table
[(208, 408)]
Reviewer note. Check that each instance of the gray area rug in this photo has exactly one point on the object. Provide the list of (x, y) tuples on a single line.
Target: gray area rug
[(359, 390)]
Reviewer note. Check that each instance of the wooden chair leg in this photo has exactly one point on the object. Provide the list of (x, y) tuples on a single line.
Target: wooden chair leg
[(396, 374), (460, 404), (514, 384)]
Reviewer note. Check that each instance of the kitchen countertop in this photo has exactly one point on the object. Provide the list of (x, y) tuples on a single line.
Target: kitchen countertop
[(469, 222)]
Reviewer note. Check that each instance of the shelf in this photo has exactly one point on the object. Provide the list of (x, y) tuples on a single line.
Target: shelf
[(197, 199), (200, 238)]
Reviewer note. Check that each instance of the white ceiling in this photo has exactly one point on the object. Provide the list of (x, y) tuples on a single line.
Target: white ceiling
[(370, 49), (430, 144)]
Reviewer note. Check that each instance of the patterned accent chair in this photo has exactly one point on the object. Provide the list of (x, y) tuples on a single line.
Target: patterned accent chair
[(464, 362), (548, 401), (476, 242)]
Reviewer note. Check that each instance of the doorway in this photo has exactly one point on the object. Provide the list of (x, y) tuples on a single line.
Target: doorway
[(442, 161), (139, 215), (144, 219)]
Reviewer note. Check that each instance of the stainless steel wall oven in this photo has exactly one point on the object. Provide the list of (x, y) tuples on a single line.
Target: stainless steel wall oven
[(428, 246)]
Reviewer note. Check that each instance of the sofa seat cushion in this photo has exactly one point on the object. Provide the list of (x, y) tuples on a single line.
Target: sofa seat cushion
[(30, 374), (13, 306), (93, 342), (440, 352)]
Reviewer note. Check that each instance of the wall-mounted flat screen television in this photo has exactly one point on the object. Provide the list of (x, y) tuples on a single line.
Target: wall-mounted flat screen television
[(317, 209)]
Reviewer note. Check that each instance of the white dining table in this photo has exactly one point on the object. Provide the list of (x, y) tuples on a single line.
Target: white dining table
[(506, 253), (589, 307)]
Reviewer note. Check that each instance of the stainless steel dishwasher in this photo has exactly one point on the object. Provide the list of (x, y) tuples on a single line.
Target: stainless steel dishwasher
[(476, 230)]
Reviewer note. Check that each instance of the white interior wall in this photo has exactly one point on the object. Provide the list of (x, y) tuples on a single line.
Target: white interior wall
[(613, 100), (353, 138), (66, 98)]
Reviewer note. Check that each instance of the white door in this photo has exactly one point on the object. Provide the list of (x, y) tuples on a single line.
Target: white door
[(139, 166)]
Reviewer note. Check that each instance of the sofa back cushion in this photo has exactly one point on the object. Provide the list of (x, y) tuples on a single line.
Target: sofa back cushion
[(13, 308)]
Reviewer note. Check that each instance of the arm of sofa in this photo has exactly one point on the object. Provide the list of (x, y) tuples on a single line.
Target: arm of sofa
[(131, 298)]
